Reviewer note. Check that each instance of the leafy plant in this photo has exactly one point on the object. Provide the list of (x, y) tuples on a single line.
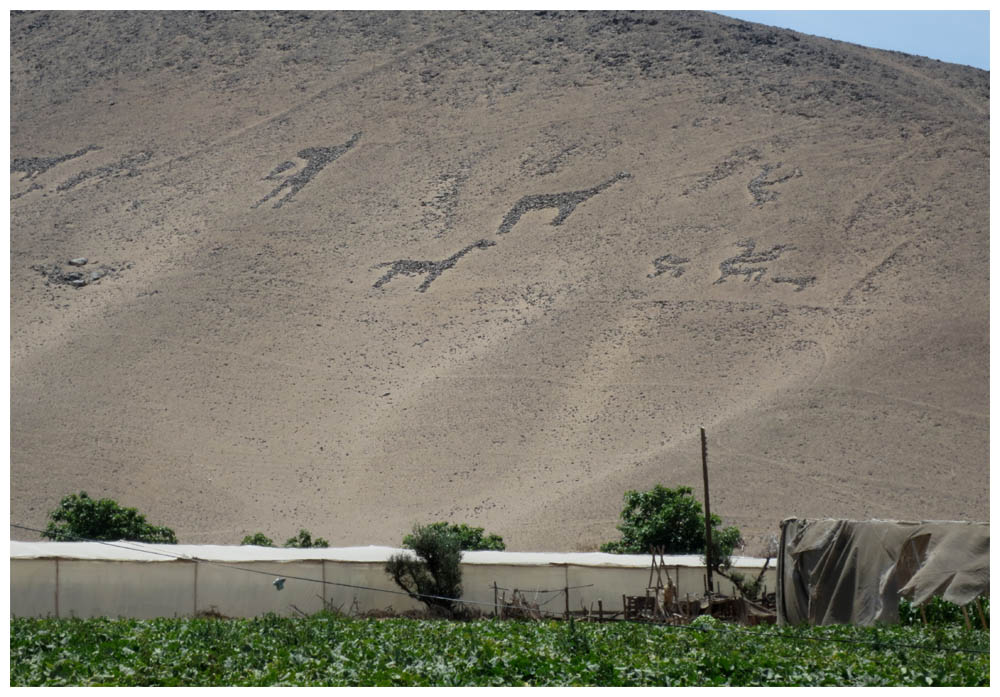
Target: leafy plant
[(672, 519), (81, 517), (304, 539), (327, 650), (259, 539), (748, 588), (941, 612), (468, 538), (434, 577), (706, 622)]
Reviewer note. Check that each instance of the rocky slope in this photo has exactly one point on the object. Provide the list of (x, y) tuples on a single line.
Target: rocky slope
[(360, 270)]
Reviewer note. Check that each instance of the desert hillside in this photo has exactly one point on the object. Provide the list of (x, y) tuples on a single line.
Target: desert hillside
[(353, 271)]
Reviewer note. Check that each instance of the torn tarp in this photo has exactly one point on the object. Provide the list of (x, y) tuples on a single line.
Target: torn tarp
[(854, 572)]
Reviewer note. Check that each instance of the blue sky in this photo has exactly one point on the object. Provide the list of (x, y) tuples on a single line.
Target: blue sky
[(951, 36)]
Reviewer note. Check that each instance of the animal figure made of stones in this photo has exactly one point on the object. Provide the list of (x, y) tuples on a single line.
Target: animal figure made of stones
[(757, 184), (32, 166), (747, 263), (433, 269), (566, 203), (669, 263)]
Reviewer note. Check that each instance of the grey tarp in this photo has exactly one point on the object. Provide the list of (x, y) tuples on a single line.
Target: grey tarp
[(854, 572)]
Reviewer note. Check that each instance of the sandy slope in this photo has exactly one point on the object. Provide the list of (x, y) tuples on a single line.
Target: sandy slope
[(795, 257)]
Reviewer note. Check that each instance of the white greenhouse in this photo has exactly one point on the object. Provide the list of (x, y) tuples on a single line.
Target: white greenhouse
[(130, 579)]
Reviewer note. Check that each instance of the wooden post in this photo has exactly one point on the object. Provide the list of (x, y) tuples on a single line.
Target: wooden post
[(982, 615), (566, 591), (968, 622), (652, 552), (496, 609), (708, 510), (600, 610)]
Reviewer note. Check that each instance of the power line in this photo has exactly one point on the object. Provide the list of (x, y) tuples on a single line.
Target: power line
[(546, 590)]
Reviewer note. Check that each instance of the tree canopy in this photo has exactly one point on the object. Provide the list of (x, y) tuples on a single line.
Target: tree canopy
[(434, 577), (672, 519), (80, 517), (469, 539), (305, 539)]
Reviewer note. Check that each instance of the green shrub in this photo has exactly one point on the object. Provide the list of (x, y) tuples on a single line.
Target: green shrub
[(259, 539), (304, 539), (469, 539), (706, 622), (941, 612), (434, 572), (81, 517)]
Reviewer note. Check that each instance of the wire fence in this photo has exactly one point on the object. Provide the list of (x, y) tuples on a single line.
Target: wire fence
[(733, 631)]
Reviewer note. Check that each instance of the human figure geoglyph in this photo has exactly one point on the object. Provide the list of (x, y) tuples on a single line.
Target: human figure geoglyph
[(316, 159)]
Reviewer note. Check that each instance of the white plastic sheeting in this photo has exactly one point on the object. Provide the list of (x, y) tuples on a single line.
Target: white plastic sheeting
[(129, 579), (139, 551)]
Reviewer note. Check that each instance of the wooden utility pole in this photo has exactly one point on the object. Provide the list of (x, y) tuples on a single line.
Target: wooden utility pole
[(708, 511)]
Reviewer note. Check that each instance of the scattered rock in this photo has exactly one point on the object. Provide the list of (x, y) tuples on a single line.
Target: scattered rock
[(800, 282), (32, 166), (54, 274), (732, 164), (34, 187), (127, 166)]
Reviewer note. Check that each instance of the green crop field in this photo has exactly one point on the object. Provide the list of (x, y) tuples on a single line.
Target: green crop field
[(333, 650)]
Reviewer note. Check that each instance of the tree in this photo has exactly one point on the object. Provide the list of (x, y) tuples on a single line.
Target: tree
[(672, 519), (469, 539), (259, 539), (304, 539), (434, 572), (81, 517)]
